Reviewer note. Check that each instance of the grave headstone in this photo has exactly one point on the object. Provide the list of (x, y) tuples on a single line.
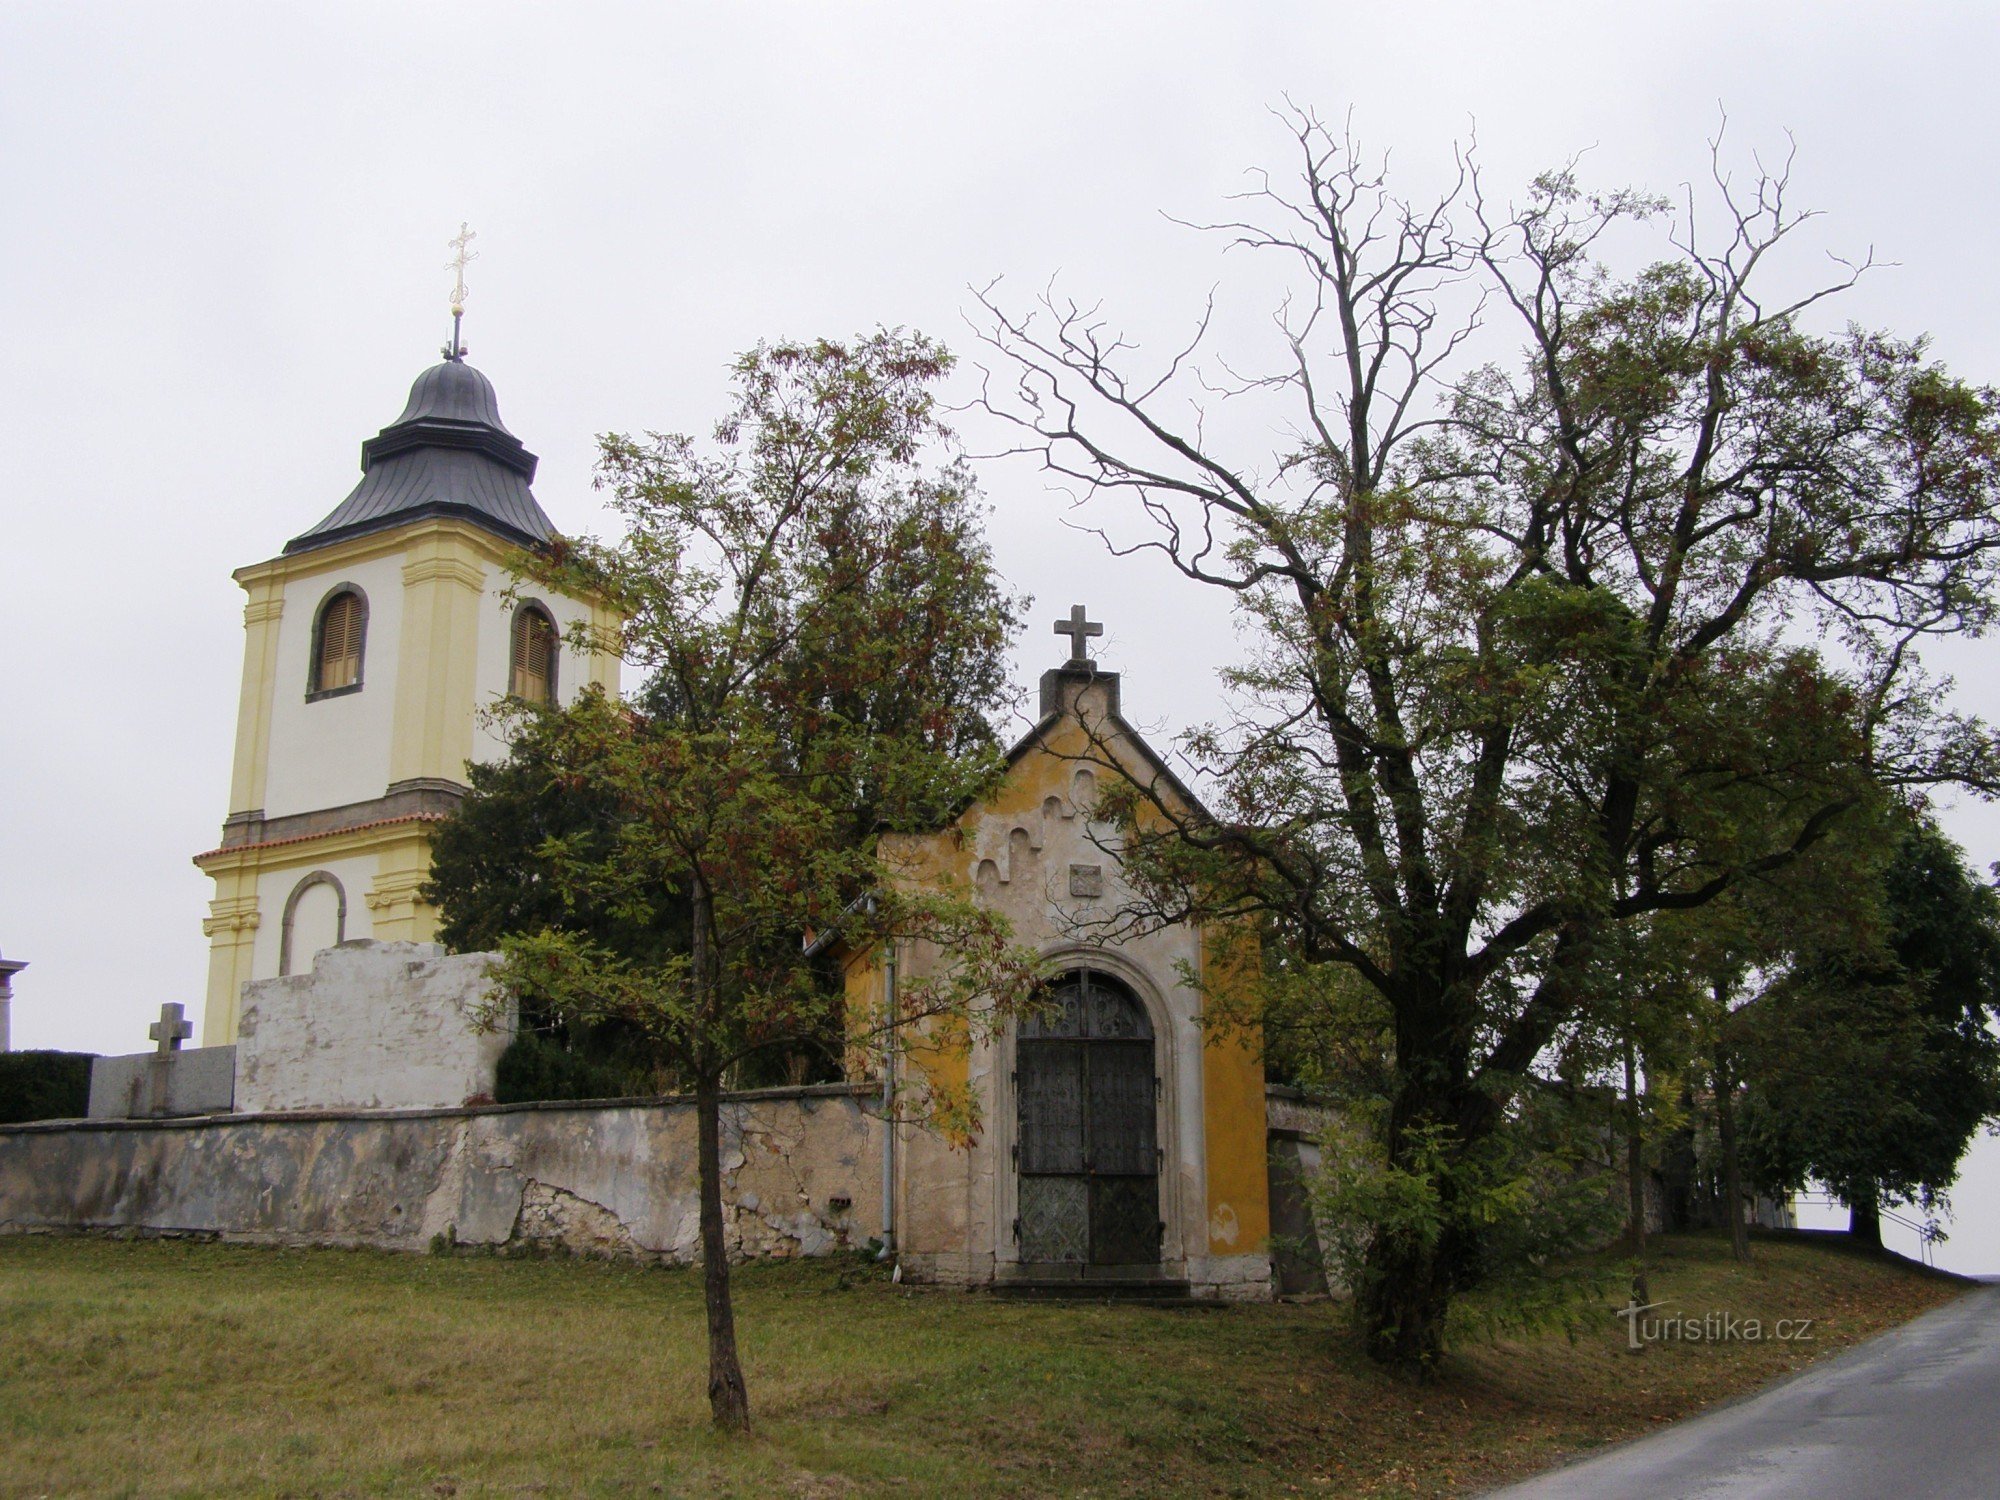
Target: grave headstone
[(166, 1081)]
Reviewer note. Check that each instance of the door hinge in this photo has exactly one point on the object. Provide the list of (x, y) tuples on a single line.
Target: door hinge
[(1017, 1231)]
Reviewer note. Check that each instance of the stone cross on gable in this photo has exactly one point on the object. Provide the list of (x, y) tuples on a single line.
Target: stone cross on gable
[(170, 1030), (1079, 630)]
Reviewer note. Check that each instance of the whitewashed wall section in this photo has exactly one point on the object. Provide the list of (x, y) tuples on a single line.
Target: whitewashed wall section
[(372, 1026)]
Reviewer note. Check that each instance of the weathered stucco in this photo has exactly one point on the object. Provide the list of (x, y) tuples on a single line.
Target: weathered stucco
[(373, 1026), (1297, 1126), (801, 1175), (1033, 852), (144, 1085)]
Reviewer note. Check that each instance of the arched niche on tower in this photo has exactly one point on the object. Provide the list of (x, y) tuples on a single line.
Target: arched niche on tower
[(315, 918)]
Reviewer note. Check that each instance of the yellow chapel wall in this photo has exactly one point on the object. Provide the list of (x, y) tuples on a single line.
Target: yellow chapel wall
[(958, 1203), (1234, 1107), (1234, 1113)]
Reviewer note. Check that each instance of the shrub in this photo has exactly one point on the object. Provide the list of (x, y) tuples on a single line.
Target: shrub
[(44, 1086), (537, 1067)]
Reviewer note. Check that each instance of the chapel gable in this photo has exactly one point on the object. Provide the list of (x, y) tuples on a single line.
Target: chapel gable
[(1123, 1138)]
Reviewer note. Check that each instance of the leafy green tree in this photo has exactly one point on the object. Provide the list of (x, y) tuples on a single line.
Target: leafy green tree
[(491, 872), (1873, 1061), (494, 873), (1626, 1053), (1698, 970), (821, 633), (1537, 641)]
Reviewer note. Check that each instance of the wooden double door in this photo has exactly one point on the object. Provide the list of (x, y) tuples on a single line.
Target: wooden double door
[(1088, 1159)]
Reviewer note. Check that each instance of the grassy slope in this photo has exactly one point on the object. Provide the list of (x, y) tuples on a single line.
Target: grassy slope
[(155, 1368)]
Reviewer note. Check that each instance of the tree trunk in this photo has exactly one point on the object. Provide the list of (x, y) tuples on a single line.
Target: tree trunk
[(1409, 1276), (1635, 1171), (1864, 1222), (1678, 1170), (1405, 1293), (728, 1399), (1732, 1170)]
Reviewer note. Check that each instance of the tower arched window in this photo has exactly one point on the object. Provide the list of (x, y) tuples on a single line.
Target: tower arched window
[(536, 650), (340, 635)]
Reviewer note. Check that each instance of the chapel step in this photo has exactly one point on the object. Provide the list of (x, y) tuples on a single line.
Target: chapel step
[(1132, 1291)]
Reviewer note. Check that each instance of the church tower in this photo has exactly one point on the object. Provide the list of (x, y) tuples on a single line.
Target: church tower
[(373, 641)]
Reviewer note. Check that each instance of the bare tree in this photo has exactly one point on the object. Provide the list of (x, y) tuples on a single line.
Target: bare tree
[(1536, 644)]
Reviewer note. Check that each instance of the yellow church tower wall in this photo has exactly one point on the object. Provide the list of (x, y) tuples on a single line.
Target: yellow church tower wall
[(373, 647)]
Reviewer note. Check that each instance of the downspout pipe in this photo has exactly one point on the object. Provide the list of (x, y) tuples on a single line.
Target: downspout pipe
[(889, 1104), (818, 943)]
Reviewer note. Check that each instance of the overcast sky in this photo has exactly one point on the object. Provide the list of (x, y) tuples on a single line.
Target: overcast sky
[(221, 243)]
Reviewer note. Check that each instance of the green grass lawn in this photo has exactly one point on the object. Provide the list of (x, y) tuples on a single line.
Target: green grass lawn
[(173, 1368)]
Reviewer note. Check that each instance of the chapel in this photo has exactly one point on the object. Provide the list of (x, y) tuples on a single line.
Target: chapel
[(1123, 1139)]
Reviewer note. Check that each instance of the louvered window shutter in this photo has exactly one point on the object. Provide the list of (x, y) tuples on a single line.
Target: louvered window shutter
[(534, 653), (340, 644), (545, 655)]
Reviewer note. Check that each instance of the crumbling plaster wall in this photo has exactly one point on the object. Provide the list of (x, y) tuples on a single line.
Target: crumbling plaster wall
[(1296, 1127), (373, 1026), (1032, 852), (800, 1176)]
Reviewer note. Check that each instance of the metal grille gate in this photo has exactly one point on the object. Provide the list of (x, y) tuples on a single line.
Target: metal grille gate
[(1088, 1162)]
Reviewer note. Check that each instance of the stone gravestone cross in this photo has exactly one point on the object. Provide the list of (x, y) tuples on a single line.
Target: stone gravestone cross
[(169, 1031)]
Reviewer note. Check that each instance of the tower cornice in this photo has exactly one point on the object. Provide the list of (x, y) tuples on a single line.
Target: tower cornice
[(373, 544)]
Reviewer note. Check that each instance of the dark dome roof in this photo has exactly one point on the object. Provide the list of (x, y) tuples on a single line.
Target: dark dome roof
[(448, 454), (453, 392)]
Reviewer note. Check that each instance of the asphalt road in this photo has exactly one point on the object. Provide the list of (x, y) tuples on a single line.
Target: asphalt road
[(1913, 1414)]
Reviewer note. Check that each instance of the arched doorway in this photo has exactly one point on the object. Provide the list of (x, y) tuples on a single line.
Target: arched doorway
[(1086, 1085)]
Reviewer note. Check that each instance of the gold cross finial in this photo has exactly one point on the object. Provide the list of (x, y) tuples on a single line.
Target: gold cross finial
[(456, 265)]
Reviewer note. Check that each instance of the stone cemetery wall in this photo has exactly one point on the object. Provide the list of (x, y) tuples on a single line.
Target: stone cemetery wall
[(139, 1085), (374, 1026), (1296, 1126), (802, 1176)]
